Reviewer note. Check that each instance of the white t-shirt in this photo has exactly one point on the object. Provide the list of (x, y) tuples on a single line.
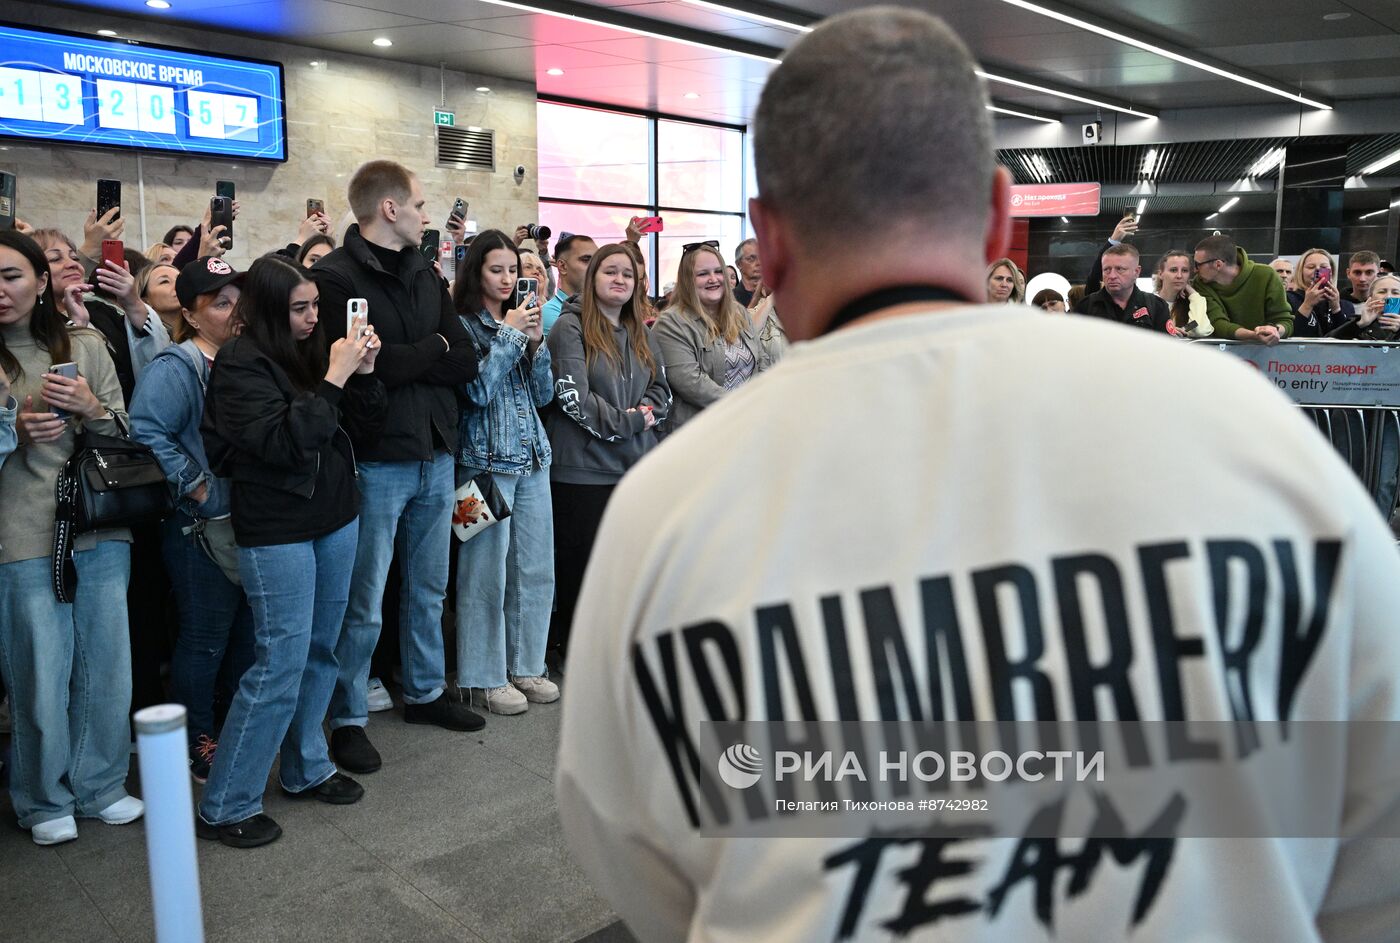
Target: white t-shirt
[(958, 442)]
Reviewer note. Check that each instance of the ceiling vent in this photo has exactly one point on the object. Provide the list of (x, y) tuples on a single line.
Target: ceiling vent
[(466, 148)]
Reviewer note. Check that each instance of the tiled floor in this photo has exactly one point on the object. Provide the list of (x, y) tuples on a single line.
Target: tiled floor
[(456, 839)]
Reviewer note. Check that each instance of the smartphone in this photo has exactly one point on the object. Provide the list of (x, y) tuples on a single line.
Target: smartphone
[(1323, 273), (7, 200), (221, 214), (114, 251), (429, 246), (69, 370), (524, 288), (459, 210), (650, 224), (1392, 306), (224, 188), (315, 206), (356, 317), (461, 253), (109, 194)]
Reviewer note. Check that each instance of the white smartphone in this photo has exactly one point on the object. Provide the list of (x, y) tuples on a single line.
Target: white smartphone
[(69, 370), (356, 317)]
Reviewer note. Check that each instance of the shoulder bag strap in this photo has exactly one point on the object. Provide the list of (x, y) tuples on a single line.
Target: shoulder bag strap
[(65, 574)]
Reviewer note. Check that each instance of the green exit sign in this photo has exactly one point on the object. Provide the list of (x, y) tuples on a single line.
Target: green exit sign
[(444, 117)]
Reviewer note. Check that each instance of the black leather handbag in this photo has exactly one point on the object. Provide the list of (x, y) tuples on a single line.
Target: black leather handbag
[(110, 482)]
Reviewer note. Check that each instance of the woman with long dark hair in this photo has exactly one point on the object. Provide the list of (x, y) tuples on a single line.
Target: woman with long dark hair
[(706, 339), (273, 418), (67, 666), (505, 582), (612, 392)]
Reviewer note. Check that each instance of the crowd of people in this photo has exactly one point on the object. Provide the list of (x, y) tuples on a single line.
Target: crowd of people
[(316, 472)]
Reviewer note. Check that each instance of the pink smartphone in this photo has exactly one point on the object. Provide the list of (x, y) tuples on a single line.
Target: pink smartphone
[(650, 224)]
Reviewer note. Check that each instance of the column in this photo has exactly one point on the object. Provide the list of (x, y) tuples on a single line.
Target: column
[(1310, 192)]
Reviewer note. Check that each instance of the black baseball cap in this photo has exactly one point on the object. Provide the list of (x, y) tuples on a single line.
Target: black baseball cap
[(203, 277)]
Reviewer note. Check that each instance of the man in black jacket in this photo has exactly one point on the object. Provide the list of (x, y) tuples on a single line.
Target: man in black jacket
[(1121, 299), (406, 474)]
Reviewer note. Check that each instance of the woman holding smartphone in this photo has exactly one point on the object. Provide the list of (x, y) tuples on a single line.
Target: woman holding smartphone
[(1318, 306), (505, 582), (705, 339), (67, 666), (612, 392), (273, 419)]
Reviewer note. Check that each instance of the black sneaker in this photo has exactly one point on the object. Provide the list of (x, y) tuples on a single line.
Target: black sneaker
[(338, 790), (202, 757), (252, 832), (351, 749), (444, 713)]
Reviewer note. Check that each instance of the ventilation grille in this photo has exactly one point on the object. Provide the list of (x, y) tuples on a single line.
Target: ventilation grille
[(466, 148)]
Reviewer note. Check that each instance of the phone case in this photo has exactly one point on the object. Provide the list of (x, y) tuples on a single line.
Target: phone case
[(356, 317)]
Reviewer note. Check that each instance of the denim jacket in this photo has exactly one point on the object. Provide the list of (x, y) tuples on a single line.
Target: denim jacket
[(501, 429), (9, 436), (165, 414)]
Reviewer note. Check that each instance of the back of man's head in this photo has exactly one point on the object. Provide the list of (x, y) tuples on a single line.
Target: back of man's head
[(876, 122), (375, 182), (1218, 247)]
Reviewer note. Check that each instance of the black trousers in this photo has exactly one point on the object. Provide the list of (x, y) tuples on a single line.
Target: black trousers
[(578, 510)]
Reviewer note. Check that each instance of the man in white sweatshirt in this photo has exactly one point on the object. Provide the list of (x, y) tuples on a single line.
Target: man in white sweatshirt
[(940, 510)]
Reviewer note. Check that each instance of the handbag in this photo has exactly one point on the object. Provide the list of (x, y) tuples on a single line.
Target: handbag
[(478, 504), (214, 537), (109, 482)]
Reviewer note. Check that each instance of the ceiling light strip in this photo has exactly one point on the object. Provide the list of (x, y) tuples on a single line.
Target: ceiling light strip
[(751, 16), (1021, 114), (1381, 164), (1183, 58), (635, 30), (1060, 93)]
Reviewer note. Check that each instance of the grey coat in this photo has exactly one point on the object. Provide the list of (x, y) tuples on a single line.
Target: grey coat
[(695, 365)]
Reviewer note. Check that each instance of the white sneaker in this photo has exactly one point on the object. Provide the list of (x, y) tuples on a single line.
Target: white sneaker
[(502, 700), (537, 689), (55, 832), (123, 811), (379, 699)]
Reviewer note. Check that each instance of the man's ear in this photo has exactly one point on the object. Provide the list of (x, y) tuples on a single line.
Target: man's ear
[(774, 243), (997, 239), (390, 209)]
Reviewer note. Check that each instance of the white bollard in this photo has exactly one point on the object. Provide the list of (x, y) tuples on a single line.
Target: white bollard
[(165, 786)]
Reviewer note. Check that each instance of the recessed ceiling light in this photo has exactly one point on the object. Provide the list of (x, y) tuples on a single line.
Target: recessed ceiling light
[(483, 89), (383, 41), (1212, 216), (158, 4), (106, 32), (1020, 114), (1149, 162), (1335, 16), (692, 94), (554, 72), (1229, 203)]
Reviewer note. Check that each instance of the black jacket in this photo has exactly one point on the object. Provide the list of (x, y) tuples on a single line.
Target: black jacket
[(412, 313), (1142, 310), (287, 452), (1321, 322)]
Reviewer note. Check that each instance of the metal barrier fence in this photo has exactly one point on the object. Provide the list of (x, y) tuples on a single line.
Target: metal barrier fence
[(1351, 392)]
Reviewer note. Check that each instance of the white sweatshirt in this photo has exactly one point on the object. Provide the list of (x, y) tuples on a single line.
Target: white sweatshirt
[(960, 443)]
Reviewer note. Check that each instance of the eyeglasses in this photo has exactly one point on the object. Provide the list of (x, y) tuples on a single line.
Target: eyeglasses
[(1195, 264), (707, 244), (751, 257)]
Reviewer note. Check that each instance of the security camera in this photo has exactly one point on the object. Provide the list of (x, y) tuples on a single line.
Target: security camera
[(519, 171), (1092, 132)]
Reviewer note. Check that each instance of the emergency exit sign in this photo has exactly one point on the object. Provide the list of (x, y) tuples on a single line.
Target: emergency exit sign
[(444, 117)]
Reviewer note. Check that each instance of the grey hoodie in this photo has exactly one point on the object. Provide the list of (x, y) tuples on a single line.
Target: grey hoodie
[(594, 437)]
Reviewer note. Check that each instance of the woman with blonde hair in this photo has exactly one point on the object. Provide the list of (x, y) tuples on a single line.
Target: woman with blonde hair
[(1318, 306), (1005, 283), (161, 253), (611, 394), (706, 340)]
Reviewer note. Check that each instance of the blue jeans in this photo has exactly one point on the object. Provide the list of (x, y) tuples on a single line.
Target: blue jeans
[(505, 587), (298, 593), (68, 671), (215, 620), (408, 504)]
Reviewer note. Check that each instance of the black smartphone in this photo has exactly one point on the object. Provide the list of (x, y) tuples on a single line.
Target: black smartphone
[(224, 188), (429, 246), (524, 288), (7, 200), (461, 253), (109, 194), (221, 214)]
